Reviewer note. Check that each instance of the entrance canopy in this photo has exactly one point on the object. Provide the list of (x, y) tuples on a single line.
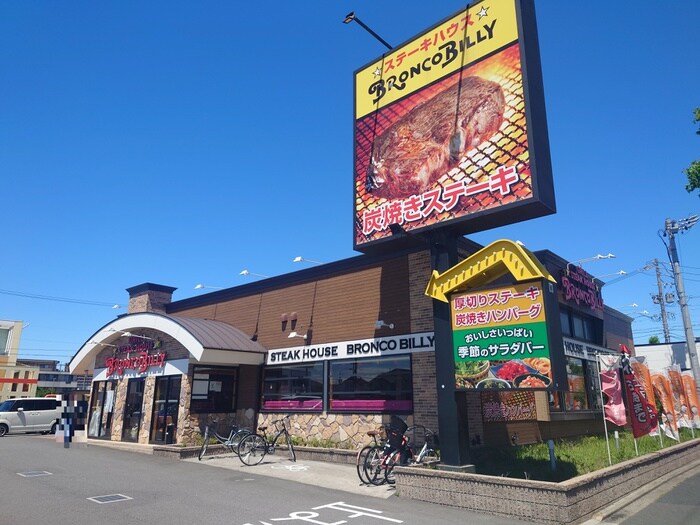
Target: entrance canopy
[(208, 341)]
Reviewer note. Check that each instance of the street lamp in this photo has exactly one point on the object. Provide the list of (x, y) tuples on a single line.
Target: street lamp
[(350, 17)]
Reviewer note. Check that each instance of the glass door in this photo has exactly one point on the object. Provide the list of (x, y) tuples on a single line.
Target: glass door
[(166, 403), (133, 409), (102, 405)]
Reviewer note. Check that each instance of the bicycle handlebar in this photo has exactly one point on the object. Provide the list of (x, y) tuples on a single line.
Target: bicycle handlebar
[(425, 429)]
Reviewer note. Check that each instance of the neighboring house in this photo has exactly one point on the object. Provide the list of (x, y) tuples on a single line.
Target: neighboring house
[(58, 381), (16, 379), (661, 356)]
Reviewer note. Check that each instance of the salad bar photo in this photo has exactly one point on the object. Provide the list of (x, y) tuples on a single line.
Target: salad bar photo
[(532, 373)]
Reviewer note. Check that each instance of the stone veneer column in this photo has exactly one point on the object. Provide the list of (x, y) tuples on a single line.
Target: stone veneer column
[(147, 410), (185, 432), (118, 415)]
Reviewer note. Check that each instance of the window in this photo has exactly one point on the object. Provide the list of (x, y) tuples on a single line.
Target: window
[(565, 326), (382, 384), (213, 389), (574, 324), (576, 398), (4, 338), (294, 387)]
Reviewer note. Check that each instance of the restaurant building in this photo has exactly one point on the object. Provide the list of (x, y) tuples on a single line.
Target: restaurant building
[(339, 348)]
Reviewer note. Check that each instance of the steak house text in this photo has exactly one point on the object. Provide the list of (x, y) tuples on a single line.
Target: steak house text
[(447, 53)]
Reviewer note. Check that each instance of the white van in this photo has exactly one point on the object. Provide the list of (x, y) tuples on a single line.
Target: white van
[(29, 414)]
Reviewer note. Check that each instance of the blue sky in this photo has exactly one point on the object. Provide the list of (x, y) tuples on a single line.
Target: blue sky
[(181, 142)]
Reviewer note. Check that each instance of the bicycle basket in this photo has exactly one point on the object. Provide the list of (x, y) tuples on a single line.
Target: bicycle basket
[(397, 424), (433, 441)]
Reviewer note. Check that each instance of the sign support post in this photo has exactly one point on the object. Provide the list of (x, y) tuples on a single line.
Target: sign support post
[(453, 427)]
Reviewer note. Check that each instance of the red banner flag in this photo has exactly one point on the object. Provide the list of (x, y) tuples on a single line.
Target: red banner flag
[(613, 408), (642, 412)]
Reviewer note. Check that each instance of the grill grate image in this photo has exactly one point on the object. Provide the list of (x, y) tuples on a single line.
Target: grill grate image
[(507, 147)]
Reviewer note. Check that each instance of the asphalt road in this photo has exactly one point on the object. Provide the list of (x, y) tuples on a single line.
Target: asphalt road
[(42, 482)]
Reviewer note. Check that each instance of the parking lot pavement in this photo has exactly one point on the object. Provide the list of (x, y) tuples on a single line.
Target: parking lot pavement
[(336, 476)]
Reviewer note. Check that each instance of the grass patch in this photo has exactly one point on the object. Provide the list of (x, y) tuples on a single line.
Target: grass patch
[(574, 457)]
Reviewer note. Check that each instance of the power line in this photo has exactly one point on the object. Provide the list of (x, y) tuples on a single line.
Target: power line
[(59, 299)]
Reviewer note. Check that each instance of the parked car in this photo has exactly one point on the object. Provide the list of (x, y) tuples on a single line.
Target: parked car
[(29, 414)]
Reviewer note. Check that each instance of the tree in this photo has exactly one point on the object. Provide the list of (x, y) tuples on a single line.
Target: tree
[(42, 391), (654, 340), (693, 171)]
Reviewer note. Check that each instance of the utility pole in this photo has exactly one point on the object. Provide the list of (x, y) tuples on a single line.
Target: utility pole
[(662, 302), (673, 227)]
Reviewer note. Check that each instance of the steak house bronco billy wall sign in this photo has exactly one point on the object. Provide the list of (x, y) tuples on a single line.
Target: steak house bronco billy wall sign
[(448, 126), (357, 349)]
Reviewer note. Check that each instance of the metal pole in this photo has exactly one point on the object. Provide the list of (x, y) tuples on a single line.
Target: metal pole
[(662, 303), (602, 402), (673, 227), (352, 17)]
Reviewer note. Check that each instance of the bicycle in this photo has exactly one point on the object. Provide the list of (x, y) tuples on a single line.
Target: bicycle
[(407, 455), (254, 447), (364, 452), (377, 457), (231, 441)]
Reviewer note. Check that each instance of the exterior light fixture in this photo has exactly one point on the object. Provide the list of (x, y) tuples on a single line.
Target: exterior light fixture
[(350, 17), (200, 286), (589, 259), (292, 335), (129, 334), (619, 274), (380, 324), (246, 272), (300, 259), (102, 344)]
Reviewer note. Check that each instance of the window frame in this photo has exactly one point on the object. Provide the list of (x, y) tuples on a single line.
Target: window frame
[(377, 403), (294, 402), (199, 369)]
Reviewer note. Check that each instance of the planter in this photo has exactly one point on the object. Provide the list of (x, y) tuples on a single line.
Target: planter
[(569, 502)]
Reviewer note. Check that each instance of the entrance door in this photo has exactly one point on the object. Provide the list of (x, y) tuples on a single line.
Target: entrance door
[(133, 409), (166, 403), (102, 400)]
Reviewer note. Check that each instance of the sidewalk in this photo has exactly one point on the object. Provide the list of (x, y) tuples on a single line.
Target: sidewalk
[(637, 500), (336, 476)]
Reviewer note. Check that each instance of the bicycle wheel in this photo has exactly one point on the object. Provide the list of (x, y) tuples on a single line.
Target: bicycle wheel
[(290, 447), (203, 450), (393, 460), (360, 463), (252, 449), (373, 466), (237, 438)]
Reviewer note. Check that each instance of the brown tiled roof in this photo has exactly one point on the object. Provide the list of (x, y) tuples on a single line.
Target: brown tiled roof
[(217, 335)]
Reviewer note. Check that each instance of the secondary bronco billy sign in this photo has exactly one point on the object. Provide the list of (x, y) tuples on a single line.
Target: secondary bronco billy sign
[(358, 349)]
